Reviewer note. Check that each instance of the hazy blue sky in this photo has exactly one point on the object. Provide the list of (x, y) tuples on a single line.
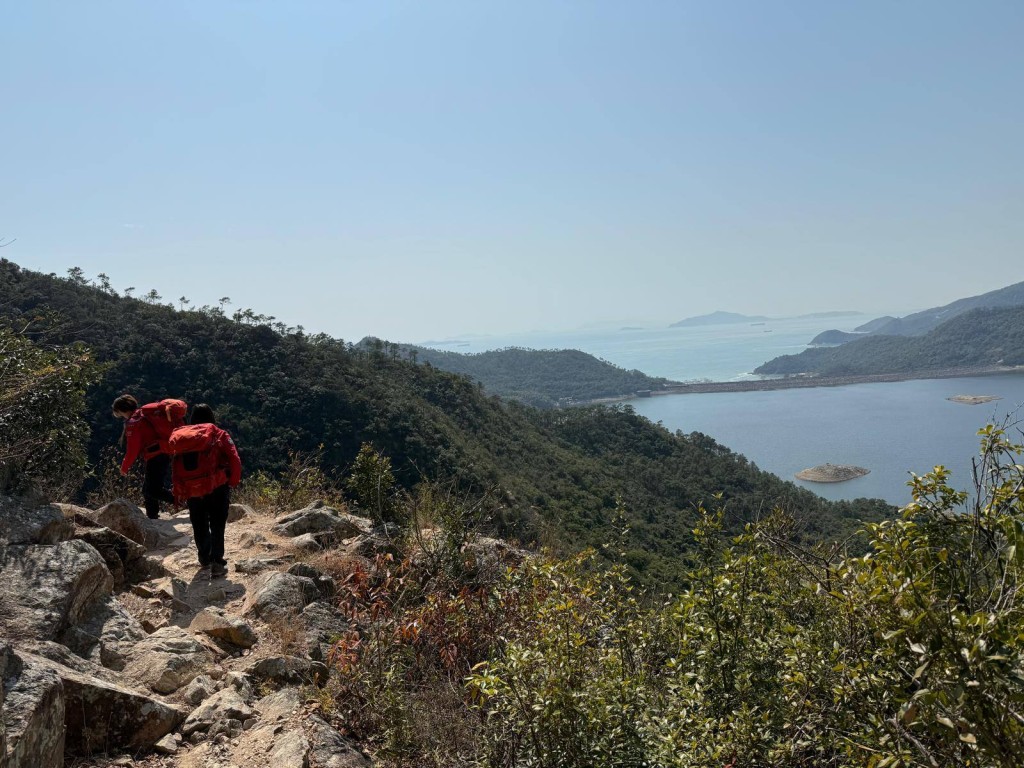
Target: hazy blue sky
[(423, 169)]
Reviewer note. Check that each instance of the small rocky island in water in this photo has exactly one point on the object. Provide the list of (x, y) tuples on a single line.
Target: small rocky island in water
[(973, 399), (831, 473)]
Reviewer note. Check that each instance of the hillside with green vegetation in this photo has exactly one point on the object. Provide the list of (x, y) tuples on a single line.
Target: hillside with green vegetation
[(462, 652), (920, 323), (977, 339), (541, 377), (280, 390)]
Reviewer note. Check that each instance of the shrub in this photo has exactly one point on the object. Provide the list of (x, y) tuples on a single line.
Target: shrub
[(373, 486), (42, 401)]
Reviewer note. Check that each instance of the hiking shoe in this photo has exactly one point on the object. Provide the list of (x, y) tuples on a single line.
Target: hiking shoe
[(217, 570)]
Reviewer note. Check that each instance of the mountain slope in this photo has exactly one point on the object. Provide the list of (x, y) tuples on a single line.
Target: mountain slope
[(279, 390), (921, 322), (979, 338), (539, 377), (926, 320)]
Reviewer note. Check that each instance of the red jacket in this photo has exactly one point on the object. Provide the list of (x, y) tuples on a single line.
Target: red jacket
[(147, 430)]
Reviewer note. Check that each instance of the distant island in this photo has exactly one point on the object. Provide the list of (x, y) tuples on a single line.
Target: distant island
[(718, 318), (734, 318), (973, 399), (831, 473)]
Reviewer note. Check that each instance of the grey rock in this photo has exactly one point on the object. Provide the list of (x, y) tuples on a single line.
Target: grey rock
[(125, 518), (106, 635), (252, 565), (125, 559), (307, 543), (168, 745), (33, 714), (279, 705), (369, 545), (288, 670), (48, 589), (280, 596), (324, 625), (224, 705), (100, 713), (219, 624), (73, 511), (238, 512), (318, 518), (167, 660), (240, 683), (291, 750), (323, 582), (329, 749), (199, 690), (130, 521), (25, 520)]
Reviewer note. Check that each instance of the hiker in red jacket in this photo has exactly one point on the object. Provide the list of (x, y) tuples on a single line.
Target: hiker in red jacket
[(206, 466), (146, 431)]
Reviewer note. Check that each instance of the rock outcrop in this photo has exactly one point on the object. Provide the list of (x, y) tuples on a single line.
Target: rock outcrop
[(115, 643)]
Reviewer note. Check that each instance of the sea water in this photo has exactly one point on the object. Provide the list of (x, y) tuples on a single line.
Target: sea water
[(891, 429)]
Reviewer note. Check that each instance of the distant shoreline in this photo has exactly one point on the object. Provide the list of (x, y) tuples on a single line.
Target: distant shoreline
[(805, 382)]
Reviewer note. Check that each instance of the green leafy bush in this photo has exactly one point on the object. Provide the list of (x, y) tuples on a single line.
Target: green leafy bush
[(42, 401)]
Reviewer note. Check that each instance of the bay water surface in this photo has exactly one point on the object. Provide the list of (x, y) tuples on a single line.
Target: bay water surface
[(891, 429)]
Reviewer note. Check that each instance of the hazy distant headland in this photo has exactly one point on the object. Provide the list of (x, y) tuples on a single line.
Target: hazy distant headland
[(734, 318), (718, 318)]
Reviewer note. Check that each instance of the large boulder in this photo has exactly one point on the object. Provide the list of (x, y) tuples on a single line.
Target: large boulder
[(29, 521), (107, 635), (320, 519), (125, 558), (238, 512), (124, 517), (329, 749), (100, 713), (131, 522), (288, 670), (324, 624), (33, 714), (220, 625), (290, 750), (49, 589), (223, 707), (279, 596), (167, 660)]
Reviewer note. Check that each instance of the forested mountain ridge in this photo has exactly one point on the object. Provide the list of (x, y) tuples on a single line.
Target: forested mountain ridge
[(920, 323), (979, 338), (540, 377), (279, 390)]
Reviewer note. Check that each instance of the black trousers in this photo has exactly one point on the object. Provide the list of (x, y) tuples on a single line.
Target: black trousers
[(209, 516), (153, 488)]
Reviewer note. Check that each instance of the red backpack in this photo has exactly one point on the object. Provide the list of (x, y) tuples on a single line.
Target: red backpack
[(164, 417), (198, 468)]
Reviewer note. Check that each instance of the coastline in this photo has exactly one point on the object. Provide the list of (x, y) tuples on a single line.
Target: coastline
[(803, 382)]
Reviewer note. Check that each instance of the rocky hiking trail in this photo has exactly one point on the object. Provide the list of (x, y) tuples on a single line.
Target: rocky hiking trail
[(117, 649)]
